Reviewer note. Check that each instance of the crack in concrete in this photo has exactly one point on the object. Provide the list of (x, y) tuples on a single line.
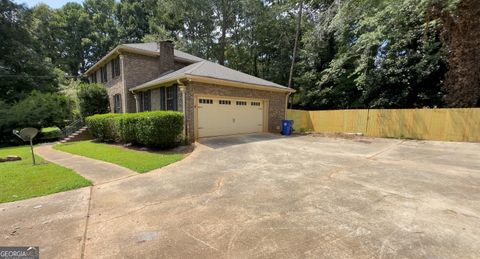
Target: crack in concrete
[(201, 241), (86, 222)]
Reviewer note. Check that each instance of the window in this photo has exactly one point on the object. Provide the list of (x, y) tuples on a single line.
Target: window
[(241, 103), (205, 101), (172, 98), (93, 77), (146, 101), (103, 74), (169, 98), (225, 102), (255, 103), (115, 67), (117, 103)]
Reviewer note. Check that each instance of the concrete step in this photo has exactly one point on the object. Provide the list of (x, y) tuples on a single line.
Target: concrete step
[(80, 134)]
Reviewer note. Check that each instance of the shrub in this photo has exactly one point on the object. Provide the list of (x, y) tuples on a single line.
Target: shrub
[(103, 126), (93, 99), (38, 110), (41, 110), (160, 129), (127, 125), (50, 133)]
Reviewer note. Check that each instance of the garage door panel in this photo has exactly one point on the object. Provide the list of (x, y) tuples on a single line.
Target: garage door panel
[(228, 116)]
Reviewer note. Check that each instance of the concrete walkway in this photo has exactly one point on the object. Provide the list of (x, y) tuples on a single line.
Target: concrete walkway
[(268, 196), (97, 171)]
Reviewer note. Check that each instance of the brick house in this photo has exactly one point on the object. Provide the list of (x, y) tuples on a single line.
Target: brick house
[(216, 100)]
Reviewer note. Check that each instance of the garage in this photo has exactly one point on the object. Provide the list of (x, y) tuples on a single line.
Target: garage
[(219, 116)]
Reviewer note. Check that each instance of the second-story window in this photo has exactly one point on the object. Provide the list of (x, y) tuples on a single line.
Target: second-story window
[(115, 67), (103, 74)]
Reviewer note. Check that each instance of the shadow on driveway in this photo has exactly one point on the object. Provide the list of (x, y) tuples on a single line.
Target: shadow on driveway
[(228, 141)]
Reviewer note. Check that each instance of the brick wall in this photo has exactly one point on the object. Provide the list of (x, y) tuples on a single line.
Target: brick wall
[(138, 69), (135, 70), (141, 69), (114, 85), (276, 102)]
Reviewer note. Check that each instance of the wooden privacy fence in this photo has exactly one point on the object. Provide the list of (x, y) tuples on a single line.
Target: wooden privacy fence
[(432, 124)]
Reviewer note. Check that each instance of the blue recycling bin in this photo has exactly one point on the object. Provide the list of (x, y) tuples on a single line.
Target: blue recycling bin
[(287, 127)]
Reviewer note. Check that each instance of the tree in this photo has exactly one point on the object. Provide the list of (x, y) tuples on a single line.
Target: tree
[(45, 31), (37, 110), (133, 19), (23, 64), (104, 34), (297, 34), (74, 39), (462, 34), (226, 13), (93, 99), (384, 56)]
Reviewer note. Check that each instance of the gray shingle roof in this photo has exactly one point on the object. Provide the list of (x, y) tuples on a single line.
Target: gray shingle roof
[(209, 69), (153, 46)]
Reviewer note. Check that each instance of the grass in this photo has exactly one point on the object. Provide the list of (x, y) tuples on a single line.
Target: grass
[(138, 161), (21, 180)]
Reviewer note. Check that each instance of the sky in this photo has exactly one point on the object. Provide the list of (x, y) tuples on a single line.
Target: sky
[(51, 3)]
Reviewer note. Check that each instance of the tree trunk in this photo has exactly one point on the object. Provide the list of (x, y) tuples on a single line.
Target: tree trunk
[(223, 44), (221, 57), (297, 33), (462, 83)]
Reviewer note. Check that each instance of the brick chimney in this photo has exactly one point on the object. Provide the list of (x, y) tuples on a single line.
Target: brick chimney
[(166, 56)]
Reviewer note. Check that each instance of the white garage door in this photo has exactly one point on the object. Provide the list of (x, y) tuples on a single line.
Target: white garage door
[(228, 116)]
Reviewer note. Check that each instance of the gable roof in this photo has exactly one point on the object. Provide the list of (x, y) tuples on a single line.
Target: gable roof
[(198, 69), (207, 69), (150, 49)]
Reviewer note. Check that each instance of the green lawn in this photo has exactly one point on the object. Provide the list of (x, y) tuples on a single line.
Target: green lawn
[(139, 161), (21, 180)]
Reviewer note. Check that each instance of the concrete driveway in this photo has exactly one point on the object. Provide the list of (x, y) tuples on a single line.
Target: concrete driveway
[(270, 196)]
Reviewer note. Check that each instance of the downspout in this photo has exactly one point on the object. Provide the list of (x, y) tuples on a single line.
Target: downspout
[(124, 84), (182, 87)]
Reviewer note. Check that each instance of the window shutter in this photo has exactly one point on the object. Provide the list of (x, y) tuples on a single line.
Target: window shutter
[(141, 102), (120, 110), (175, 98), (113, 68), (162, 99), (117, 66), (147, 101)]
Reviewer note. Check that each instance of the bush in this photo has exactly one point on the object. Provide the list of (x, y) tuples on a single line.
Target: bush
[(50, 134), (103, 126), (38, 110), (127, 125), (160, 129), (93, 99)]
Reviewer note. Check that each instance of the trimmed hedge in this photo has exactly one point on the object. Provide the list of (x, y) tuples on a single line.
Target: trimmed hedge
[(50, 133), (103, 126), (161, 129)]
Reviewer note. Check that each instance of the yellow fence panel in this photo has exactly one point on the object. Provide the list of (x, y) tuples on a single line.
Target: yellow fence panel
[(431, 124)]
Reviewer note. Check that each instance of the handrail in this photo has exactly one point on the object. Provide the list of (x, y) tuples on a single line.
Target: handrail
[(72, 127)]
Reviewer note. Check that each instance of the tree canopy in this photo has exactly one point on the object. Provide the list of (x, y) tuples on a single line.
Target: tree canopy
[(350, 53)]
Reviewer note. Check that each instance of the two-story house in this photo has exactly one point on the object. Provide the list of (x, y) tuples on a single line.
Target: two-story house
[(216, 100)]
